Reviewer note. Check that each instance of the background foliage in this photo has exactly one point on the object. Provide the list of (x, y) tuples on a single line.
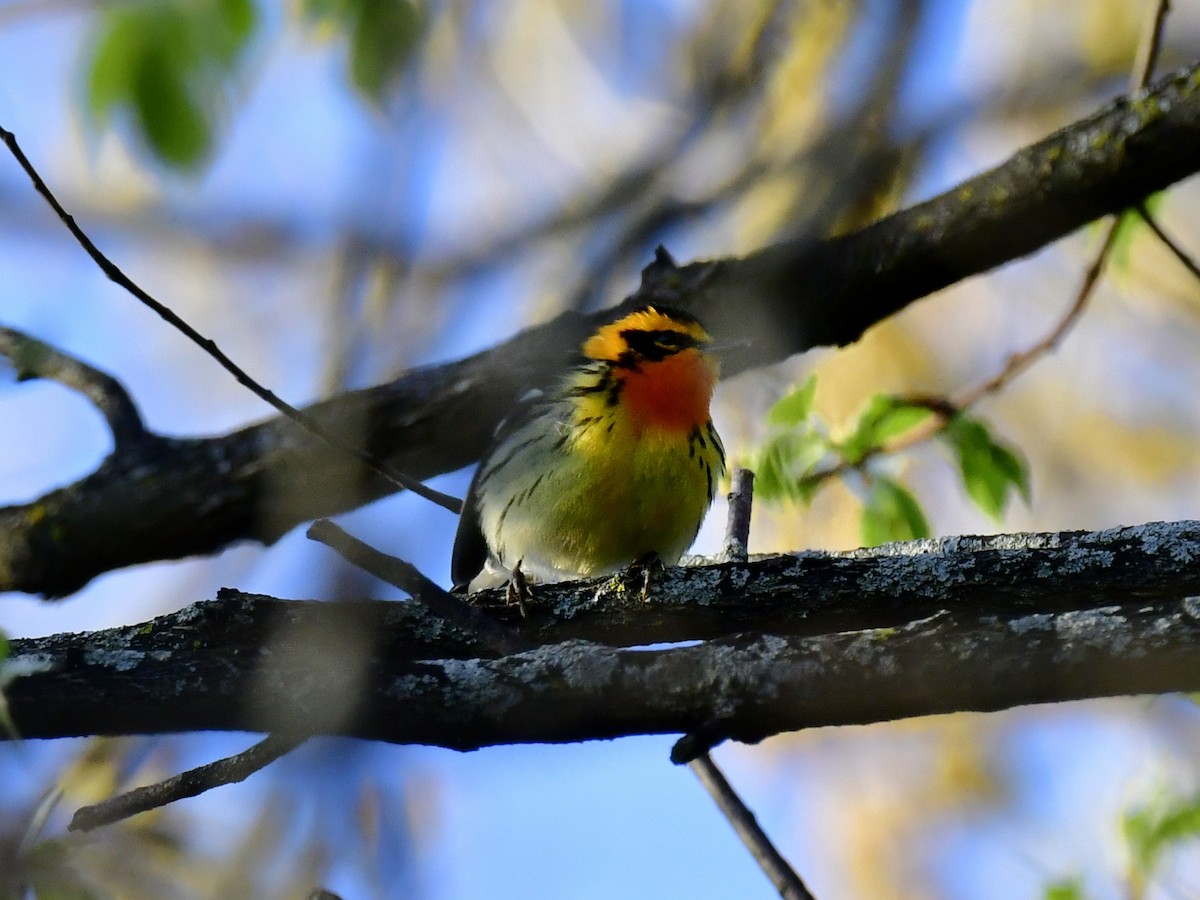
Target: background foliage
[(340, 189)]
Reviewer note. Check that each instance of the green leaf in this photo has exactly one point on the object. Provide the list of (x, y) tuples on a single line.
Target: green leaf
[(382, 39), (113, 62), (172, 121), (1129, 225), (169, 66), (989, 469), (785, 462), (883, 419), (321, 11), (1070, 889), (795, 407), (892, 513), (382, 35), (236, 20), (1152, 830)]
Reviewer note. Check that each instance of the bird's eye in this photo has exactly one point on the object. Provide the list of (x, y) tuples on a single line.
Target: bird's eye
[(656, 345), (673, 341)]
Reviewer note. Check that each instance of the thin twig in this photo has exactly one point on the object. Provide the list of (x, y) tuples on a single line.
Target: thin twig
[(1143, 71), (1170, 243), (945, 410), (1019, 362), (407, 577), (782, 875), (301, 418), (236, 768), (737, 526), (229, 770), (1151, 46), (785, 879), (36, 359)]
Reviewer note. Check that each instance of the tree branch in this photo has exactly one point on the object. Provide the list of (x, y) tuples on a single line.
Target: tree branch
[(1047, 617), (191, 783), (32, 358), (197, 496), (114, 274), (768, 857), (785, 879)]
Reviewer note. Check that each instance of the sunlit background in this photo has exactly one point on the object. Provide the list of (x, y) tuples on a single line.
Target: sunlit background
[(345, 206)]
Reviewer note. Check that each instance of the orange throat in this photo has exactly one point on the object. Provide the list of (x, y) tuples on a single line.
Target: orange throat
[(672, 394)]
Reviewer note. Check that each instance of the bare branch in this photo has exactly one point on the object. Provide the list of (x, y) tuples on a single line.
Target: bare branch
[(765, 853), (1147, 62), (408, 578), (802, 641), (737, 528), (1170, 243), (782, 875), (1020, 362), (191, 783), (783, 300), (34, 359), (118, 277)]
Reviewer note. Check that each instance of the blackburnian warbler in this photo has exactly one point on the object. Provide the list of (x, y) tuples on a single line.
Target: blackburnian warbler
[(618, 463)]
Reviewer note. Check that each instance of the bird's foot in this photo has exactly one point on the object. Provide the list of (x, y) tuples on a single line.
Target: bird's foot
[(518, 590), (642, 572)]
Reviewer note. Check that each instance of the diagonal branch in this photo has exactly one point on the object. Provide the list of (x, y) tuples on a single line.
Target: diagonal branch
[(768, 857), (114, 273), (259, 482), (191, 783), (1185, 259)]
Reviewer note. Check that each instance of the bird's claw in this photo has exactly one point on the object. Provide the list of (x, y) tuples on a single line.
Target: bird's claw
[(518, 591), (642, 570)]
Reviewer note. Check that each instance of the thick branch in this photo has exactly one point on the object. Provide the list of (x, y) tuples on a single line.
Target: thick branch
[(260, 482), (998, 622)]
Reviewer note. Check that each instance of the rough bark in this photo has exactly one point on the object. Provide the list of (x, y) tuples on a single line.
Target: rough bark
[(792, 642), (159, 499)]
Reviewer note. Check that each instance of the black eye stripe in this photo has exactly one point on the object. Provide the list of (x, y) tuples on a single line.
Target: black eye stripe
[(656, 345)]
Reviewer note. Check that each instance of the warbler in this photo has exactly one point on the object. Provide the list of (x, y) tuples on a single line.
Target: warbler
[(617, 463)]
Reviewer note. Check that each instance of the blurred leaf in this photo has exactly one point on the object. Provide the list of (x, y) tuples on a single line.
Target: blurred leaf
[(234, 21), (380, 45), (892, 513), (795, 406), (51, 871), (112, 64), (1151, 831), (1129, 225), (1070, 889), (786, 460), (989, 469), (322, 10), (884, 418), (7, 728), (382, 35), (169, 65), (174, 125)]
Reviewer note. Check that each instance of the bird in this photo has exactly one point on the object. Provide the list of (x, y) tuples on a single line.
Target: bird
[(617, 463)]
